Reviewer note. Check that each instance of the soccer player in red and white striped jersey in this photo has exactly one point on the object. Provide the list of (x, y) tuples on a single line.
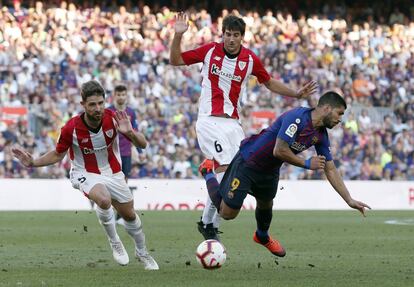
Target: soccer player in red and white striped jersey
[(226, 69), (92, 141)]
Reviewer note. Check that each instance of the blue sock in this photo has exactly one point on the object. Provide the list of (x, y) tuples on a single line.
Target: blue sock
[(263, 220), (262, 234), (208, 176)]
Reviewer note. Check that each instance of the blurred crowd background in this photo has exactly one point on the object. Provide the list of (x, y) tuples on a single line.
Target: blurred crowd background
[(48, 49)]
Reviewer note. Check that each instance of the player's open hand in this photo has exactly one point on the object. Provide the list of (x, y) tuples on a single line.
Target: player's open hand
[(123, 122), (181, 22), (318, 162), (23, 156), (308, 90), (359, 205)]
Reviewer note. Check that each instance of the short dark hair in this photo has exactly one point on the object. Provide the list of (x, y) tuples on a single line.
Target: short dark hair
[(333, 99), (233, 23), (120, 88), (91, 88)]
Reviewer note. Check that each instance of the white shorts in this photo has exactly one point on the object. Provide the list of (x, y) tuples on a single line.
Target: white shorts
[(115, 184), (219, 138)]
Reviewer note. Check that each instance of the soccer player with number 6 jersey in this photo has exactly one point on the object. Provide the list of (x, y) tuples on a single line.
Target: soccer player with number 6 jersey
[(91, 138), (226, 70)]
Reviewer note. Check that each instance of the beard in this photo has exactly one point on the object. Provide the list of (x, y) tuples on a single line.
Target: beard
[(94, 118), (328, 122)]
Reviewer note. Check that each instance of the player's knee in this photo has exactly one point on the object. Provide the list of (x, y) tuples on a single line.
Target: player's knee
[(129, 216), (228, 216), (228, 213), (264, 204), (103, 202)]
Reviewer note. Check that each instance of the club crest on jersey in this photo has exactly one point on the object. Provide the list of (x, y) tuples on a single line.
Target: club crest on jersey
[(242, 65), (217, 58), (291, 130), (109, 133)]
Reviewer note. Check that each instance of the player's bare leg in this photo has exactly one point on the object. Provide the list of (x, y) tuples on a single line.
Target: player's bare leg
[(100, 195), (133, 226), (228, 213)]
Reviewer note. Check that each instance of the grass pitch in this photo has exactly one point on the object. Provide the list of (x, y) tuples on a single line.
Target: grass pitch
[(324, 248)]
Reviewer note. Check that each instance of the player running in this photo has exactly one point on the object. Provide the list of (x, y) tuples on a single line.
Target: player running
[(92, 141), (226, 70), (255, 168)]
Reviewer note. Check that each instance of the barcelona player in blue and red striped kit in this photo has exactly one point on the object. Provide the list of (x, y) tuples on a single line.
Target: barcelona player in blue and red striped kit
[(120, 104), (255, 168)]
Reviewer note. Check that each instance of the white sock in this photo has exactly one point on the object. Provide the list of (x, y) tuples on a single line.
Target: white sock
[(134, 229), (210, 214), (107, 219)]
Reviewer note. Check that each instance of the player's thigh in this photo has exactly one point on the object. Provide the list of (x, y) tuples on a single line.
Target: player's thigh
[(219, 138), (92, 187), (236, 184), (118, 187), (264, 187), (227, 213)]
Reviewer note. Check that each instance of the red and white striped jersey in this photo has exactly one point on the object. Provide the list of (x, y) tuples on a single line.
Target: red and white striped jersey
[(89, 151), (224, 79)]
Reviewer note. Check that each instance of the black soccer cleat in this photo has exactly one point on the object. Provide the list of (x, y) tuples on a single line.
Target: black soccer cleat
[(208, 232)]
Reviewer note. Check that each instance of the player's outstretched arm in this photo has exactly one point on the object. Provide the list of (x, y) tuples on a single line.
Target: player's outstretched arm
[(181, 25), (124, 126), (338, 184), (27, 159), (303, 93)]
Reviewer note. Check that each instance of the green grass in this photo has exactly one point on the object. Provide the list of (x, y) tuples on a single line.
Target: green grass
[(324, 248)]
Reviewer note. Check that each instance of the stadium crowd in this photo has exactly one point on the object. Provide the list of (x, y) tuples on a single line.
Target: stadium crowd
[(46, 53)]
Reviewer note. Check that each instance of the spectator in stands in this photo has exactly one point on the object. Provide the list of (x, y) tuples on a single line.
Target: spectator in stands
[(47, 51)]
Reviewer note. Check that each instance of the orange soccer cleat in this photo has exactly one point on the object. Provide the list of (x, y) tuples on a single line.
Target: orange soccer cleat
[(206, 166), (272, 245)]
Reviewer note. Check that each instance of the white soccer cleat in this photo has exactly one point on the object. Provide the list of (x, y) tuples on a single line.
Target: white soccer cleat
[(119, 253), (148, 261)]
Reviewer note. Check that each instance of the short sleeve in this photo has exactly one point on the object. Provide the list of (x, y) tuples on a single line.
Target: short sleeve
[(289, 127), (323, 148), (196, 55), (65, 138), (259, 71)]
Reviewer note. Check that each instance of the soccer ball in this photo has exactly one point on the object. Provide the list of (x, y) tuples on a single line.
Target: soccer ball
[(211, 254)]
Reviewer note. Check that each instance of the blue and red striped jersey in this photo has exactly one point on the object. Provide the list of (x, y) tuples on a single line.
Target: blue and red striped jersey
[(294, 127)]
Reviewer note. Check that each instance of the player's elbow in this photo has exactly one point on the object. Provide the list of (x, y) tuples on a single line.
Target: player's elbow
[(278, 153), (174, 61), (142, 144)]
